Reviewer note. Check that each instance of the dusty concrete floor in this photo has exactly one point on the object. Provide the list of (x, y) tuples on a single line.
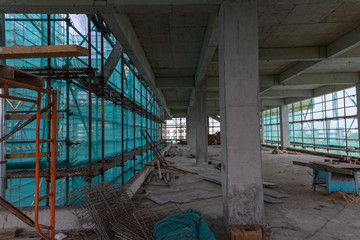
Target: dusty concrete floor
[(305, 215)]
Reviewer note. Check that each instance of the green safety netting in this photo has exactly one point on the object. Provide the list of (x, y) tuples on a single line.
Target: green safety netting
[(31, 29)]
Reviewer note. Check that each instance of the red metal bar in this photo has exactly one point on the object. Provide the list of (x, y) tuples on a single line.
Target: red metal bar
[(90, 103), (102, 103), (134, 123), (49, 111), (53, 167), (37, 168), (122, 120)]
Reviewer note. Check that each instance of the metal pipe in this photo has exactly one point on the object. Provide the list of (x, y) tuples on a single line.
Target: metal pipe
[(49, 112), (102, 103), (53, 167), (134, 120), (122, 119), (90, 102), (3, 179), (141, 121)]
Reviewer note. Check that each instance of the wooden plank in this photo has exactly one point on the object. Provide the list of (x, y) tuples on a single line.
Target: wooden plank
[(272, 200), (270, 185), (14, 74), (326, 167), (27, 116), (52, 51), (212, 180), (26, 155), (275, 194)]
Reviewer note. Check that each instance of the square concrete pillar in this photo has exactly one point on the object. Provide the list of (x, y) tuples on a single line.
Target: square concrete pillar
[(284, 126), (192, 128), (201, 126), (239, 113)]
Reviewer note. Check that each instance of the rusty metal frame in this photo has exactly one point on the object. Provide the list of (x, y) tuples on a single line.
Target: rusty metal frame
[(37, 117)]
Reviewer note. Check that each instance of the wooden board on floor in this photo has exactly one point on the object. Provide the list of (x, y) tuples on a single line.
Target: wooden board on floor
[(275, 194), (52, 51), (183, 196), (272, 200)]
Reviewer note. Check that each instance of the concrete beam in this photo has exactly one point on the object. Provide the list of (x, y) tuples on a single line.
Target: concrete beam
[(211, 83), (329, 89), (213, 95), (208, 49), (286, 93), (293, 53), (271, 102), (179, 112), (175, 82), (311, 78), (178, 104), (124, 32), (101, 6), (318, 92), (112, 60), (344, 44), (296, 70)]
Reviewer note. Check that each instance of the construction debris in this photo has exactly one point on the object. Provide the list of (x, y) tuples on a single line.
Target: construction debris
[(8, 233), (108, 212), (277, 151), (183, 196)]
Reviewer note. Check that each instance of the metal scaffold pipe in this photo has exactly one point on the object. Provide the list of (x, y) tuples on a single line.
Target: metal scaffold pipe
[(2, 118)]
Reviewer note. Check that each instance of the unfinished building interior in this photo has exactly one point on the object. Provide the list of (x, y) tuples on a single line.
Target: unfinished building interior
[(120, 117)]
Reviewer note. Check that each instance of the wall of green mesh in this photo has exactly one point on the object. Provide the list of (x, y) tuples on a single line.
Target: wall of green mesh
[(27, 30)]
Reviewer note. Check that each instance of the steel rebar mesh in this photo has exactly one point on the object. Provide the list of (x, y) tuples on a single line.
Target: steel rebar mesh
[(100, 205)]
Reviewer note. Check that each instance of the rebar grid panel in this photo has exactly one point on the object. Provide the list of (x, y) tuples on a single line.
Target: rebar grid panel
[(140, 224), (100, 205)]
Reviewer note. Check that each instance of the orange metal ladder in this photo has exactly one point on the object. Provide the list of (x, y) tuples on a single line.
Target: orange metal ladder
[(53, 105)]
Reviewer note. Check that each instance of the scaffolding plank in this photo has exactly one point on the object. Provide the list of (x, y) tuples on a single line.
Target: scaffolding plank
[(52, 51), (28, 116), (14, 74), (26, 155)]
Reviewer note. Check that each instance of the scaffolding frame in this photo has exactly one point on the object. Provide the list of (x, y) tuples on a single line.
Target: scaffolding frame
[(90, 79)]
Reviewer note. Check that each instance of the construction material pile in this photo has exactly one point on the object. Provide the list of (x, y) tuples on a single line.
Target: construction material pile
[(106, 211)]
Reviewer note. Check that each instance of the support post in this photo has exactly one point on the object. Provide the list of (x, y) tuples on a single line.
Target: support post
[(262, 128), (358, 108), (284, 126), (192, 128), (239, 114), (3, 180), (201, 126)]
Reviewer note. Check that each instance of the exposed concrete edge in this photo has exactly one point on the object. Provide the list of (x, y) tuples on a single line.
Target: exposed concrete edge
[(65, 216)]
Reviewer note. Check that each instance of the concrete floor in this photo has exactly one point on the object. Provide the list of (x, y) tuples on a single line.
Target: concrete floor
[(305, 215)]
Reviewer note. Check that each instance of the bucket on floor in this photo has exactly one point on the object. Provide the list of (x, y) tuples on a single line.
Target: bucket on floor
[(245, 232)]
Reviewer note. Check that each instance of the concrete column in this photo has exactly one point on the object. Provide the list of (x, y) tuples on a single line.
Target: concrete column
[(2, 117), (239, 113), (262, 128), (284, 126), (202, 131), (192, 128), (187, 130), (358, 108)]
